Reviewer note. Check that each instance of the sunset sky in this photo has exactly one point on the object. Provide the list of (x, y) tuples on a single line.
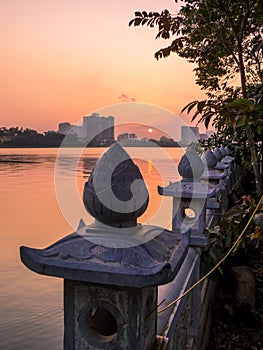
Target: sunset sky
[(63, 59)]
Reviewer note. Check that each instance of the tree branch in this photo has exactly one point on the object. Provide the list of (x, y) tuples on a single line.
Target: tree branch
[(223, 41), (244, 22)]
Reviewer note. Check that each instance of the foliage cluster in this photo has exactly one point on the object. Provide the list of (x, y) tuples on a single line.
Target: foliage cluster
[(217, 35), (19, 137), (223, 38), (228, 230)]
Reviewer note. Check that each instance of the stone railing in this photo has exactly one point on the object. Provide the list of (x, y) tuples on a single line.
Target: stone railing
[(120, 276), (199, 201)]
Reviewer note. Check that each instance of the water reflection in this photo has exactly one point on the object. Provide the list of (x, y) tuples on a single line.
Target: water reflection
[(88, 164), (31, 305), (150, 166)]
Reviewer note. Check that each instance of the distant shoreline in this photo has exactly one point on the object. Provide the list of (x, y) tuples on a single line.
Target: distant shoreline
[(28, 147)]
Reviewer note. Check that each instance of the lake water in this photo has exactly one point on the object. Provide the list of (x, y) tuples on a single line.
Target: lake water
[(31, 305)]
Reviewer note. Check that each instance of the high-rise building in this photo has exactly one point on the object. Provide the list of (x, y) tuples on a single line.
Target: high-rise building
[(98, 130), (189, 134)]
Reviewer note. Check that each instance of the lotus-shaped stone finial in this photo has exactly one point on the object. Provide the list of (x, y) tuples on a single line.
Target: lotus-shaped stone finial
[(190, 166), (223, 151), (115, 193), (209, 159), (218, 154), (227, 150)]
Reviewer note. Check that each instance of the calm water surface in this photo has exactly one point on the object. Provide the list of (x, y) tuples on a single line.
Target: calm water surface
[(31, 306)]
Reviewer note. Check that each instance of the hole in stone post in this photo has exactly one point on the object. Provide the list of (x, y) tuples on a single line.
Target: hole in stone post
[(189, 214), (98, 324)]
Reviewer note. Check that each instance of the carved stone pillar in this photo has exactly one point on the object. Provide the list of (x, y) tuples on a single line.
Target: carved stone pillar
[(112, 267)]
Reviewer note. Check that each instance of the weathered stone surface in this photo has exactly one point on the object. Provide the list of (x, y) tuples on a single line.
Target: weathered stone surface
[(189, 196), (218, 154), (190, 166), (177, 322), (223, 151), (115, 193), (108, 318), (187, 190), (228, 159), (210, 173), (227, 150), (209, 159), (222, 166), (74, 257), (213, 175)]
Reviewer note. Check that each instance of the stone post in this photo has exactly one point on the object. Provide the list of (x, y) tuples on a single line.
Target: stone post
[(220, 165), (190, 198), (216, 178), (112, 267), (230, 161), (227, 164)]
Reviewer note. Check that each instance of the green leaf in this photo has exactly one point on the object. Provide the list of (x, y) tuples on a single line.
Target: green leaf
[(259, 129), (208, 119), (189, 106), (201, 105), (241, 104), (208, 261), (137, 21)]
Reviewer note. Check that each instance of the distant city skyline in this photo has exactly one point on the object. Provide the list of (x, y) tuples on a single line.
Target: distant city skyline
[(101, 128), (95, 131), (104, 128), (105, 132)]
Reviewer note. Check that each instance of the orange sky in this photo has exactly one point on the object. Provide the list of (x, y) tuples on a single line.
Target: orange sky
[(62, 59)]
